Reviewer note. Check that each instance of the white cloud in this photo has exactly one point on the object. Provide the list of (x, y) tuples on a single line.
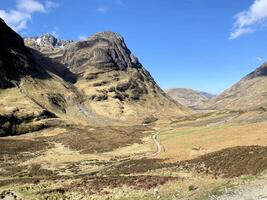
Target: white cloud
[(240, 31), (249, 20), (102, 10), (30, 6), (19, 17), (16, 19)]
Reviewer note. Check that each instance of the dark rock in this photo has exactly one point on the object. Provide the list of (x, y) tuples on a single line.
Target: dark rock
[(100, 83), (99, 97), (122, 87), (149, 120), (15, 123)]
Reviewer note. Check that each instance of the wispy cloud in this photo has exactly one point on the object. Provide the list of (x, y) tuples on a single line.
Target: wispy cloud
[(102, 9), (259, 59), (19, 17), (51, 4), (250, 20)]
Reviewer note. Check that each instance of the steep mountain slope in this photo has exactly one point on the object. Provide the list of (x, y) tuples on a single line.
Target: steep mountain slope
[(14, 56), (32, 95), (249, 93), (113, 82), (189, 97), (18, 113)]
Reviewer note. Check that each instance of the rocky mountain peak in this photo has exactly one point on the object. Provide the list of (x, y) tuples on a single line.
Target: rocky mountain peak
[(46, 40), (105, 50), (112, 36)]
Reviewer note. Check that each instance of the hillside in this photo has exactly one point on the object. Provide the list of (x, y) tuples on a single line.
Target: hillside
[(97, 82), (32, 95), (188, 97), (249, 93)]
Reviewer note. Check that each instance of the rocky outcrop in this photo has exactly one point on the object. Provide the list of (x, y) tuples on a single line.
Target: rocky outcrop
[(47, 40), (16, 122)]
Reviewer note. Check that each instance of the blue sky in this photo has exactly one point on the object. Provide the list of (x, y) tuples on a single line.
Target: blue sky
[(200, 44)]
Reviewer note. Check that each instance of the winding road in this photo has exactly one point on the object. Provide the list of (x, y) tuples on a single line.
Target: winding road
[(157, 144)]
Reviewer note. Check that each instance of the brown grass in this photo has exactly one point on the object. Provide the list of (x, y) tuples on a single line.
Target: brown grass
[(97, 185), (232, 162), (101, 139), (189, 143)]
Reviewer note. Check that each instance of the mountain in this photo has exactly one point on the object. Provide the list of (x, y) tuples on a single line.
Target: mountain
[(189, 97), (249, 93), (110, 76), (97, 82)]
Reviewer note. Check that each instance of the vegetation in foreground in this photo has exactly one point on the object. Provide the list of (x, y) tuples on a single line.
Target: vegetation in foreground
[(59, 163)]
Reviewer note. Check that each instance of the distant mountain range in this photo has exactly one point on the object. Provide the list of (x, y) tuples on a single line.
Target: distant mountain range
[(250, 93), (188, 97)]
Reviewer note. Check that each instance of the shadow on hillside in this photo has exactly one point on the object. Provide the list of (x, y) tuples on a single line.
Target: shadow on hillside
[(45, 65)]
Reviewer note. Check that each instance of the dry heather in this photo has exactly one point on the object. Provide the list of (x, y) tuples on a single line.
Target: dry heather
[(84, 168)]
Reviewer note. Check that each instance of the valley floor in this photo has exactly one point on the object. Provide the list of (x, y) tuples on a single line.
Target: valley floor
[(213, 155)]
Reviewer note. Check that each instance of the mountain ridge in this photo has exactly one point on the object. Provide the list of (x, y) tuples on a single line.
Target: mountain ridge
[(248, 93)]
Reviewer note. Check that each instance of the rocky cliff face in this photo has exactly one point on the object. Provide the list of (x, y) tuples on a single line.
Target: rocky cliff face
[(249, 93), (191, 98), (105, 50)]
